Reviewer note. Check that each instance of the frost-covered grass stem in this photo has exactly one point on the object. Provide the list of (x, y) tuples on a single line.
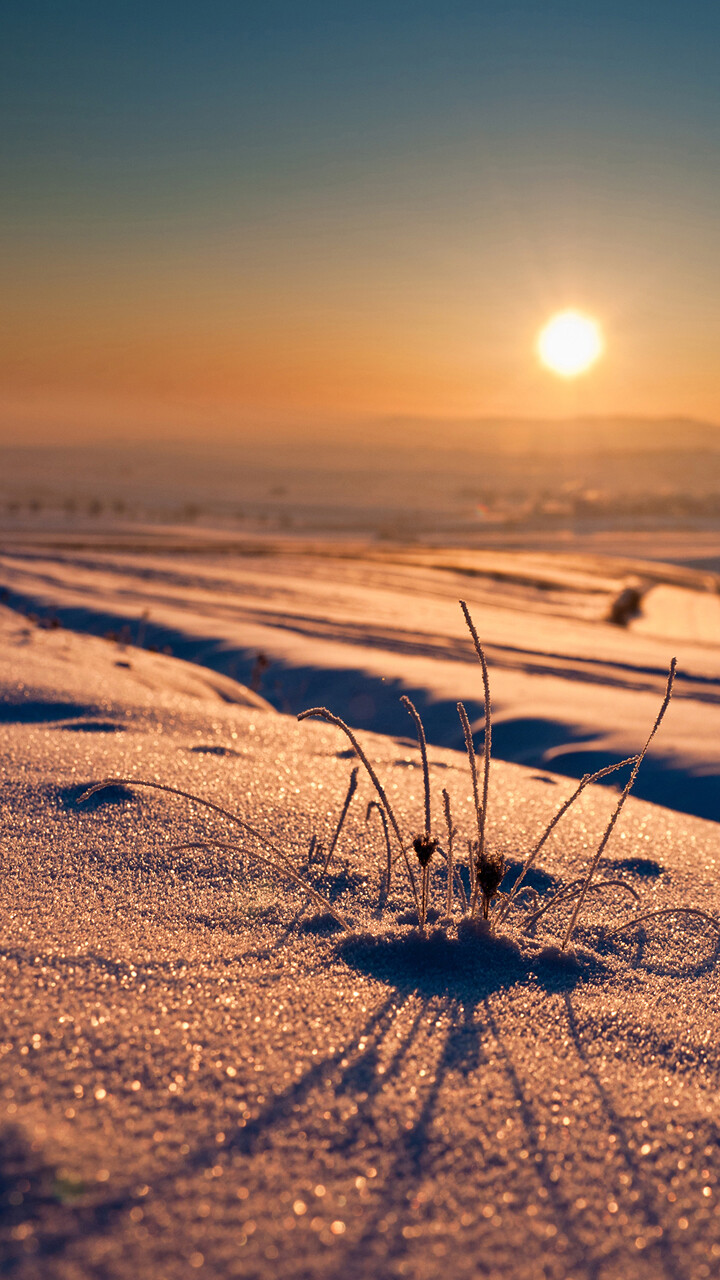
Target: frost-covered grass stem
[(375, 807), (618, 808), (422, 743), (584, 782), (488, 723), (451, 833), (324, 714), (348, 798)]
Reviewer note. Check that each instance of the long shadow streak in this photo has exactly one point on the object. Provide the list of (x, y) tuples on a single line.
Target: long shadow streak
[(460, 1048), (585, 1264), (647, 1201)]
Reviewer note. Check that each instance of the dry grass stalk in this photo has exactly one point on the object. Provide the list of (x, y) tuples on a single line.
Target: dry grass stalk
[(374, 806), (584, 782), (488, 729), (451, 834), (667, 911), (348, 798), (467, 732), (422, 743), (283, 870), (279, 863), (618, 808), (324, 714), (425, 843), (187, 795), (425, 846), (486, 870), (569, 892), (472, 866)]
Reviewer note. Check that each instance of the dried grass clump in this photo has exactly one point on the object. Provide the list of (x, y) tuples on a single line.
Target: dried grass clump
[(484, 907), (486, 867)]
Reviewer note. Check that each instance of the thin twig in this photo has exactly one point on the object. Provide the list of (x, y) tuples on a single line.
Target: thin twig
[(187, 795), (667, 911), (569, 893), (585, 781), (375, 806), (268, 862), (324, 714), (488, 721), (350, 793), (471, 760), (450, 853), (314, 847), (620, 803), (424, 887), (422, 743)]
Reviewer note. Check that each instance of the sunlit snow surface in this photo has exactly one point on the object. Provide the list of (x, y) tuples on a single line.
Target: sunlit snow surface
[(200, 1077), (353, 625)]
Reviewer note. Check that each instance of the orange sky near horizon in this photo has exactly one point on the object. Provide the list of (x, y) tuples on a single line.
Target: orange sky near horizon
[(87, 385), (137, 344)]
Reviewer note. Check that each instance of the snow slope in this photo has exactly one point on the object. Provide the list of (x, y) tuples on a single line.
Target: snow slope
[(197, 1079), (354, 626)]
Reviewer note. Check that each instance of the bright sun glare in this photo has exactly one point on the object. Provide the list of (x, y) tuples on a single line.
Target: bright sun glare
[(570, 343)]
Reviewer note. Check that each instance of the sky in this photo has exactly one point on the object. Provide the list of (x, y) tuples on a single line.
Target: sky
[(221, 216)]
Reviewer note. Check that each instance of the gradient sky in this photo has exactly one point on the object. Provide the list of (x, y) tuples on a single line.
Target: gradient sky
[(220, 214)]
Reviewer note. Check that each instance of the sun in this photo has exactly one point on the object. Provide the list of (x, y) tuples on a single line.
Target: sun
[(570, 343)]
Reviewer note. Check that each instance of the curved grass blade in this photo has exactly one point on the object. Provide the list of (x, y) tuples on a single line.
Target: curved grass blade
[(324, 714), (186, 795), (283, 869), (618, 808)]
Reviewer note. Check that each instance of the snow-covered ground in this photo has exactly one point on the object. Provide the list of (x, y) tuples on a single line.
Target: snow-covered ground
[(353, 625), (200, 1077)]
